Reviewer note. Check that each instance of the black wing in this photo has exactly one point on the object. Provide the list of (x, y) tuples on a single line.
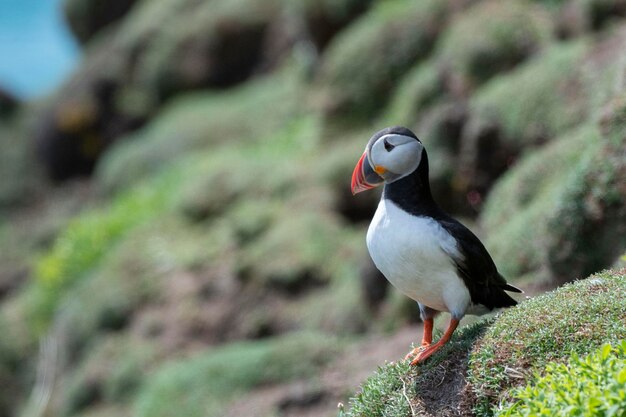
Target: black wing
[(477, 269)]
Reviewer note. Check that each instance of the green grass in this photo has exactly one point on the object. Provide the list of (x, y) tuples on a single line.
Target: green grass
[(566, 199), (516, 359), (91, 236), (202, 385), (88, 238), (203, 121), (418, 89), (492, 37), (577, 318), (533, 189), (383, 394), (392, 390), (548, 99), (398, 33), (593, 385), (112, 373)]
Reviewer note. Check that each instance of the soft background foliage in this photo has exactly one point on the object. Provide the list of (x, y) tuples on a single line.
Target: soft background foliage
[(178, 237)]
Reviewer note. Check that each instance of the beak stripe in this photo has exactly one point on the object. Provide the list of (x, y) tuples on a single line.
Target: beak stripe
[(364, 177)]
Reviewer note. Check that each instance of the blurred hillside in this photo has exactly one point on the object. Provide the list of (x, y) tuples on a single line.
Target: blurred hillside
[(177, 233)]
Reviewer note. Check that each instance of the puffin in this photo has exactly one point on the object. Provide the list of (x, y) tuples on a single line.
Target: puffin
[(424, 252)]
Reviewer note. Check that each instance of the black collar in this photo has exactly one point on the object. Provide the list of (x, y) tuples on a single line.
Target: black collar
[(412, 193)]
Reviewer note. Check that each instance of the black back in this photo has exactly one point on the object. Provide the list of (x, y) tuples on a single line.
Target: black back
[(478, 271)]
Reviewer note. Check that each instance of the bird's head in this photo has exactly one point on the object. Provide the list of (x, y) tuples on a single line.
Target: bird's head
[(391, 154)]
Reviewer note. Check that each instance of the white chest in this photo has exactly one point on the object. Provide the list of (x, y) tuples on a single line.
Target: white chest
[(414, 253)]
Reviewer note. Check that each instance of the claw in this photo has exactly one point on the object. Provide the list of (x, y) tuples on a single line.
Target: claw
[(416, 351), (426, 352)]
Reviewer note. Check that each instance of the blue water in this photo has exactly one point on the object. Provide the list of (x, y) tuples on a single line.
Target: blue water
[(37, 52)]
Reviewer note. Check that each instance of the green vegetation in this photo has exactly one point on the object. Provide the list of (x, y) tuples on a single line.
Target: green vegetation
[(577, 317), (87, 240), (363, 64), (204, 120), (386, 392), (532, 190), (22, 178), (537, 100), (586, 386), (204, 383), (419, 89), (397, 389), (491, 37), (527, 360), (112, 373), (558, 195), (217, 246)]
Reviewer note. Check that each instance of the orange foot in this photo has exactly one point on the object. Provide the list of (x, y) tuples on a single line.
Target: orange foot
[(426, 352), (427, 338), (416, 351)]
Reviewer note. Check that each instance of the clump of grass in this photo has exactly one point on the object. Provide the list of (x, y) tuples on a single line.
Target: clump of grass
[(567, 200), (202, 121), (398, 34), (89, 237), (577, 317), (112, 373), (548, 98), (586, 386), (419, 88), (397, 389), (492, 37), (532, 190), (385, 393), (202, 385)]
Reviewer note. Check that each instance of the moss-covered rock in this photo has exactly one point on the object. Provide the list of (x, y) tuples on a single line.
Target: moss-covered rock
[(23, 178), (361, 66), (213, 44), (489, 38)]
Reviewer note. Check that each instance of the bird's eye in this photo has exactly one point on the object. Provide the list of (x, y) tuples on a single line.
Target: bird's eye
[(388, 146)]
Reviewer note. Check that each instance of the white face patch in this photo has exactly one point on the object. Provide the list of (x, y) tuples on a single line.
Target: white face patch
[(398, 154)]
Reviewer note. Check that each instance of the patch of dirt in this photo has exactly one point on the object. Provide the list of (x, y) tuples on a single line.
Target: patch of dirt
[(320, 395), (442, 394)]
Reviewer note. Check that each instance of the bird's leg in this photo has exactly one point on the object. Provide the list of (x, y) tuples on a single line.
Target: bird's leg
[(427, 338), (428, 351)]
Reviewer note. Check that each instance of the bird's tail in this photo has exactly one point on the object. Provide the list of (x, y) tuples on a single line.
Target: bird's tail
[(509, 287)]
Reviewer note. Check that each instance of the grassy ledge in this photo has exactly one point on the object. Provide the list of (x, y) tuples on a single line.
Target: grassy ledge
[(397, 389), (509, 364), (576, 318)]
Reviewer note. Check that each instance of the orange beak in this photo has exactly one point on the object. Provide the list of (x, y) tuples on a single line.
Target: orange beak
[(364, 177)]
